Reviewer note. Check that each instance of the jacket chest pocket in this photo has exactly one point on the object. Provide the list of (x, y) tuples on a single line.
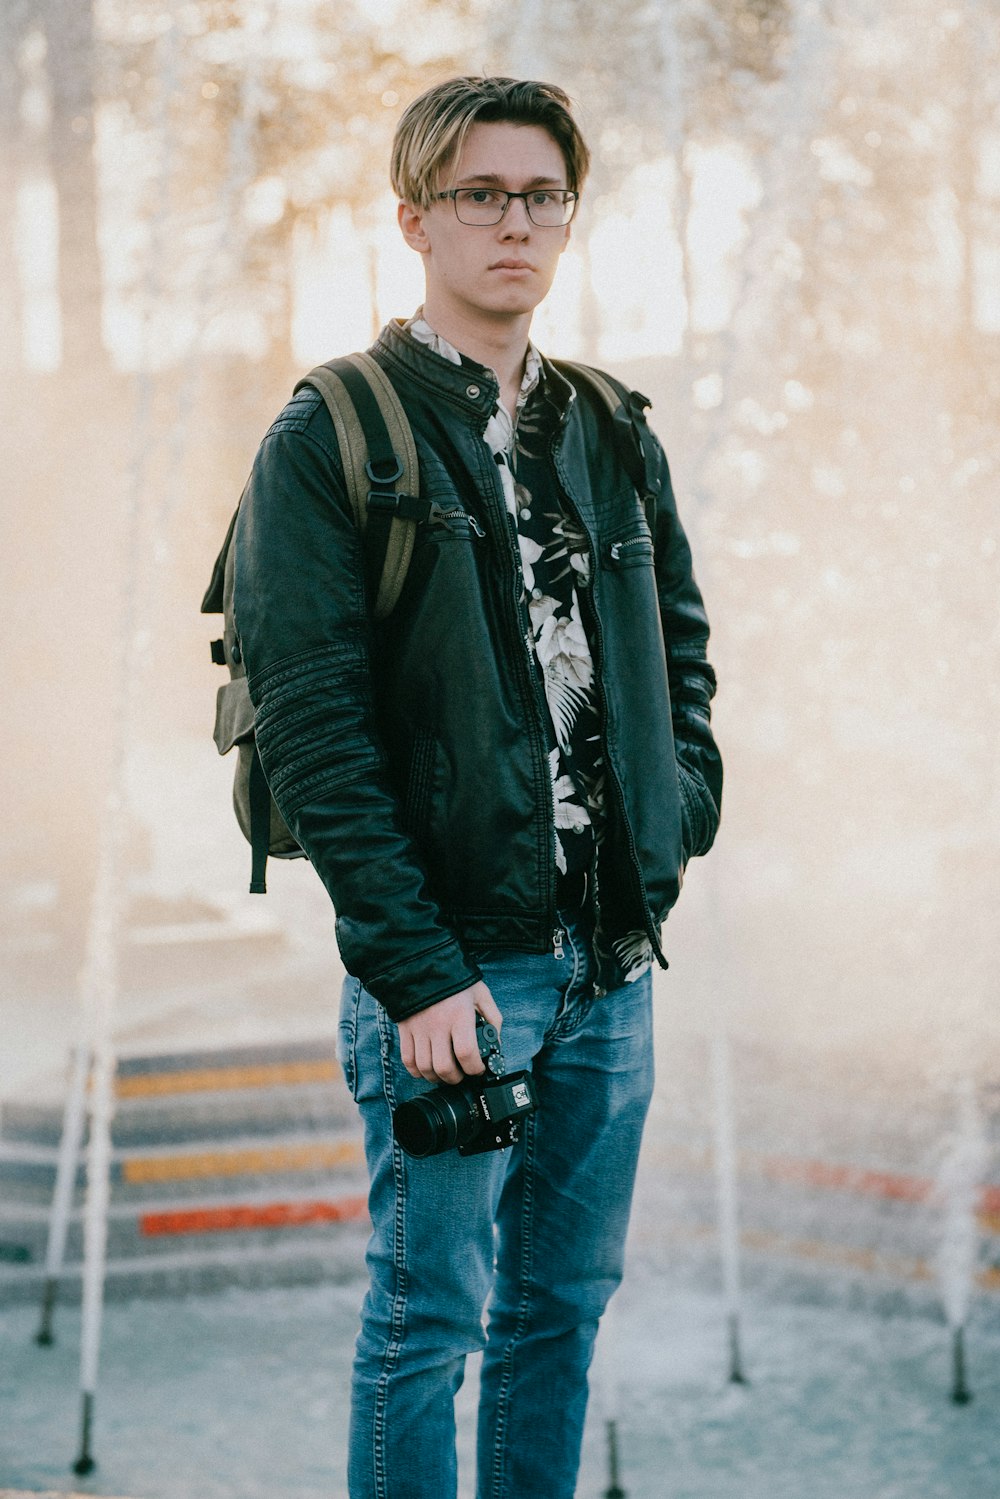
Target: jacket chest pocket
[(629, 551), (453, 524)]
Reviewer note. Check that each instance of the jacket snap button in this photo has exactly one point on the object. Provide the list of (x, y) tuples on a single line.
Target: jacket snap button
[(599, 993), (472, 391)]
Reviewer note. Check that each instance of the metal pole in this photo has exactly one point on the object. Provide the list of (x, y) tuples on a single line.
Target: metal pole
[(959, 1184), (960, 1392), (614, 1489), (62, 1196)]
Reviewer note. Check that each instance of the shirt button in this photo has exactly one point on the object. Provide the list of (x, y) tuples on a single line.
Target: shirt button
[(579, 828), (472, 391), (599, 993), (536, 593), (525, 513)]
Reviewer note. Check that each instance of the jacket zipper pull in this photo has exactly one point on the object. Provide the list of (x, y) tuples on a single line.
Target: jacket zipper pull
[(557, 942)]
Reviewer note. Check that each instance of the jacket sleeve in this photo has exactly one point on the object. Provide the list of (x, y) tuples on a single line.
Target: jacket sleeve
[(692, 679), (303, 628)]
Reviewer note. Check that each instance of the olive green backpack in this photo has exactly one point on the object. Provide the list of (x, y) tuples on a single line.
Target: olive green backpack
[(380, 471)]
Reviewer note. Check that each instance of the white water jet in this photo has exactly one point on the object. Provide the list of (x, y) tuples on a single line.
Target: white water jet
[(727, 1194), (957, 1190)]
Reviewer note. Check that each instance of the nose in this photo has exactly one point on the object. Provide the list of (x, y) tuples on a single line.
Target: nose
[(509, 225)]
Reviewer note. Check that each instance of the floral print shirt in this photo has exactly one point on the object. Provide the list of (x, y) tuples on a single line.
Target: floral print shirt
[(555, 563)]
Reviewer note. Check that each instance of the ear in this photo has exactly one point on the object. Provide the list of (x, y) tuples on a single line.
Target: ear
[(410, 218)]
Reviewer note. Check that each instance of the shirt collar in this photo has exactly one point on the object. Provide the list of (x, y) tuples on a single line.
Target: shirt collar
[(419, 328)]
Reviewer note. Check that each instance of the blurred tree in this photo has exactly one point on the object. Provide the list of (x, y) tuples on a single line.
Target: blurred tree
[(16, 25), (69, 34), (277, 117)]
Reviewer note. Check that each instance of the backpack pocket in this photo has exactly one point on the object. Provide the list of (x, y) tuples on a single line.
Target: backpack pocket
[(234, 728)]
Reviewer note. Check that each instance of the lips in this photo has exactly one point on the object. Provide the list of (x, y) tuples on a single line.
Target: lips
[(511, 265)]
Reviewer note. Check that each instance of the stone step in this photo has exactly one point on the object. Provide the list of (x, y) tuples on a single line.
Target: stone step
[(43, 1494), (183, 1102), (173, 1224), (307, 1257), (202, 1124), (27, 1171)]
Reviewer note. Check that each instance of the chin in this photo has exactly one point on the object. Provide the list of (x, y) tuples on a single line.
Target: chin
[(516, 302)]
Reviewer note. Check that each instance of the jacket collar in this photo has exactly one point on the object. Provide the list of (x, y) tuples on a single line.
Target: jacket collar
[(471, 387)]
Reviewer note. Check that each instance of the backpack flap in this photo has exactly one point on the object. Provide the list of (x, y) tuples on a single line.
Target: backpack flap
[(233, 715)]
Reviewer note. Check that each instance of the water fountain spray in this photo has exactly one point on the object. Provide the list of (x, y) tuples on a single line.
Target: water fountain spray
[(958, 1188), (726, 1196), (605, 1383)]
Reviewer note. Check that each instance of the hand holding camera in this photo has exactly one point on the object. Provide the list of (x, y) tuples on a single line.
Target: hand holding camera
[(483, 1112)]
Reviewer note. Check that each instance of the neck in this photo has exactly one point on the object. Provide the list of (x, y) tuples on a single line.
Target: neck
[(500, 345)]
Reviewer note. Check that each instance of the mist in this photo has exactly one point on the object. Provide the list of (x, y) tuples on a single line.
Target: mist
[(791, 243)]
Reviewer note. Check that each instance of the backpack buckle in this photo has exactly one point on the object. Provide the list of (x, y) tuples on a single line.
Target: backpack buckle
[(406, 506), (373, 466)]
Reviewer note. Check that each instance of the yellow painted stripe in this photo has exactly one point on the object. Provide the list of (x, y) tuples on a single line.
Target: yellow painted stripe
[(851, 1256), (216, 1079), (261, 1160)]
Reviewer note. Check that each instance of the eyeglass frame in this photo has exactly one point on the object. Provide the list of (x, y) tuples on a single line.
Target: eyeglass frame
[(568, 195)]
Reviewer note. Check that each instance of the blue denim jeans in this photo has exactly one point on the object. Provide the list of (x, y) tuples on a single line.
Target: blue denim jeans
[(537, 1230)]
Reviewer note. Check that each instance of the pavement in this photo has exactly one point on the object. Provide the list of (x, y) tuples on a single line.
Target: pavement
[(243, 1395)]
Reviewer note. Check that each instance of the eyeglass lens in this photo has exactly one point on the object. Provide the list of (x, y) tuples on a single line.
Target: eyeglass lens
[(478, 205)]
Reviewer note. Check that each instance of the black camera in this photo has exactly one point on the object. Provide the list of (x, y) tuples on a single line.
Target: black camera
[(482, 1113)]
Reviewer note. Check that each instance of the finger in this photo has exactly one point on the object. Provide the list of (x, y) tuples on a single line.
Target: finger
[(407, 1053), (446, 1065), (424, 1060), (467, 1049), (487, 1007)]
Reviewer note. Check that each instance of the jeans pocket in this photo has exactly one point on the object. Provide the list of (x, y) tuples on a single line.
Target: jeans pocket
[(347, 1033)]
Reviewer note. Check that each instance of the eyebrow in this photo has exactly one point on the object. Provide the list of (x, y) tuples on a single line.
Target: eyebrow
[(492, 180)]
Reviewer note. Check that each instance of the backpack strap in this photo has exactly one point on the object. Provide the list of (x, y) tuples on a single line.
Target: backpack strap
[(627, 408), (380, 468), (259, 795)]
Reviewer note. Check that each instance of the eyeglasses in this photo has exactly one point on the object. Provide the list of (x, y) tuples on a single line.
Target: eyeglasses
[(548, 208)]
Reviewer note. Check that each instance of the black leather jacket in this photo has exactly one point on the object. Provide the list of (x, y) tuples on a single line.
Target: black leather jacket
[(409, 756)]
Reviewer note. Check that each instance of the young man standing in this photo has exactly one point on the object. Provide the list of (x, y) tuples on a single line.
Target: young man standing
[(499, 784)]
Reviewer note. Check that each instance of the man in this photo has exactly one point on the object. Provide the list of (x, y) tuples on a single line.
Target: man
[(499, 784)]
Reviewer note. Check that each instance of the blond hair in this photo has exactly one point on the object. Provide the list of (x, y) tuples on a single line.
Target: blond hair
[(432, 129)]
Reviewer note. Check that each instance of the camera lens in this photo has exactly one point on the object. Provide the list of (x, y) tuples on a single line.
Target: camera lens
[(436, 1121)]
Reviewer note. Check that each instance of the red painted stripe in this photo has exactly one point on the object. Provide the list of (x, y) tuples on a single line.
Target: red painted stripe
[(989, 1202), (247, 1216)]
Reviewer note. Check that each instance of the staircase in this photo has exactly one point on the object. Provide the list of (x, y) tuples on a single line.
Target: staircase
[(235, 1167)]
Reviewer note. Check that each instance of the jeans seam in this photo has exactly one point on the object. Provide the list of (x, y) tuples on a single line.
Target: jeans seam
[(520, 1326), (399, 1299)]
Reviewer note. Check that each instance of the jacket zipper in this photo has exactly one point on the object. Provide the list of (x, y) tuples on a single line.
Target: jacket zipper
[(617, 547), (449, 515)]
